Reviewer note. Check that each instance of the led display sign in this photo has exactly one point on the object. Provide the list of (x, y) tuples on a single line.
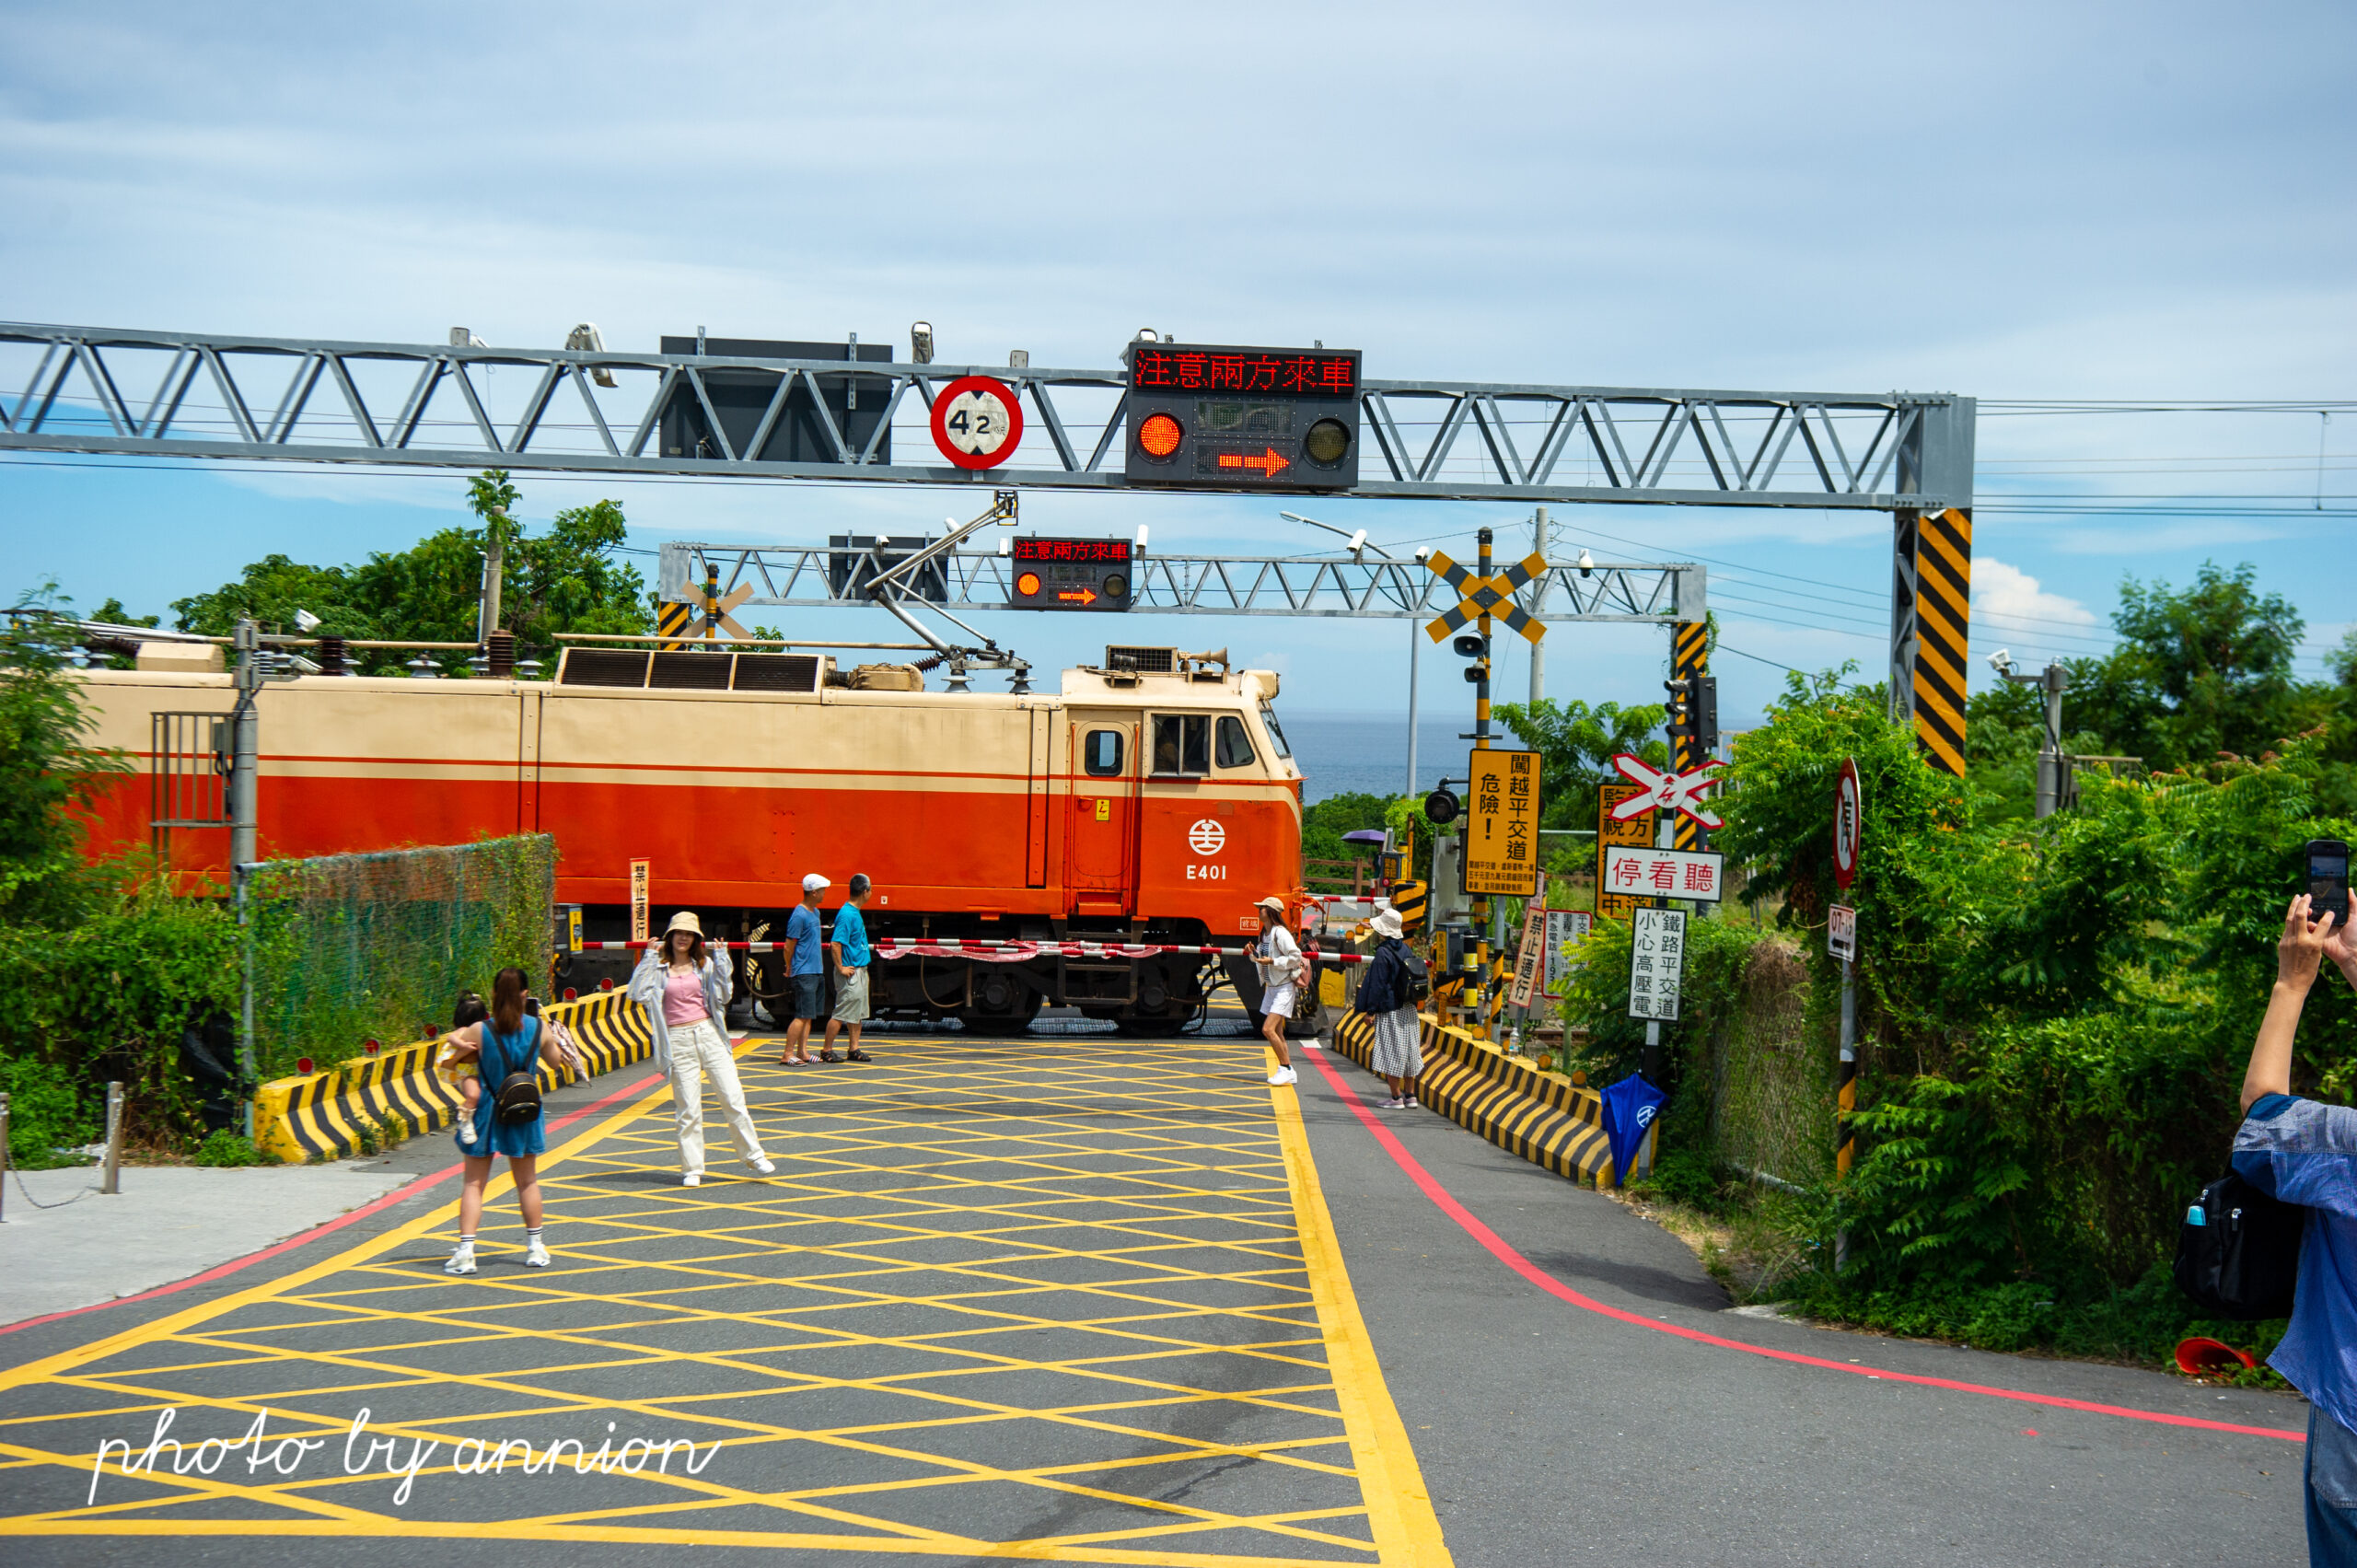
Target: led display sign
[(1049, 573), (1223, 418)]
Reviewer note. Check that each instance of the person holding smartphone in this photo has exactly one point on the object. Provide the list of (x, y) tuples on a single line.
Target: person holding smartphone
[(2304, 1152)]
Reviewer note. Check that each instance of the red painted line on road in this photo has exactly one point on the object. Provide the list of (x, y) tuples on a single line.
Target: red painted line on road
[(1506, 1254), (315, 1233)]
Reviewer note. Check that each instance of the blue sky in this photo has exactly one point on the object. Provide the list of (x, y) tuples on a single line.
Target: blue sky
[(2018, 202)]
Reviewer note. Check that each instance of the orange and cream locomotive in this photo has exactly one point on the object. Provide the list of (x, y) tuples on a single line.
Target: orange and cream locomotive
[(1148, 802)]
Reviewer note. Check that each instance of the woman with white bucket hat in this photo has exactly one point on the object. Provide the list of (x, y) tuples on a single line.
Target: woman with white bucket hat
[(685, 992), (1384, 997), (1283, 970)]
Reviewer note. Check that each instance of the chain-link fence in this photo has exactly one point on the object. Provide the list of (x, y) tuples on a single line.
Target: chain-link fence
[(353, 948)]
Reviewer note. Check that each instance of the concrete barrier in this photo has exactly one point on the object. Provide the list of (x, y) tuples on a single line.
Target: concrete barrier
[(1542, 1117), (318, 1116)]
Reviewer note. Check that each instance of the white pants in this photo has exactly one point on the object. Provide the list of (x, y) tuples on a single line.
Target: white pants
[(700, 1050)]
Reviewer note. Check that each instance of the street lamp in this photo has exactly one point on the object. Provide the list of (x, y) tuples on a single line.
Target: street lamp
[(1358, 548)]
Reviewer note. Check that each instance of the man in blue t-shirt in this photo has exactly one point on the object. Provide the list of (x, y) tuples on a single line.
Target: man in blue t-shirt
[(806, 971), (2304, 1152), (848, 952)]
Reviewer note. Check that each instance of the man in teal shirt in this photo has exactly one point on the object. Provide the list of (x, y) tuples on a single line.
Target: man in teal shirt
[(848, 951)]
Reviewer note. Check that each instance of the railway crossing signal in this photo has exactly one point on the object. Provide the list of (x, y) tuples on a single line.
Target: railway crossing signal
[(719, 610), (1479, 595), (1665, 789)]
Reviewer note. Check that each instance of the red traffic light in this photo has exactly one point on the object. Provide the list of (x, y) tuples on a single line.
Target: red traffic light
[(1159, 436), (1027, 584)]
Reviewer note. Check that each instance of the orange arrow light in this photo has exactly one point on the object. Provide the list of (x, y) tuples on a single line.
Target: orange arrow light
[(1270, 464), (1086, 595)]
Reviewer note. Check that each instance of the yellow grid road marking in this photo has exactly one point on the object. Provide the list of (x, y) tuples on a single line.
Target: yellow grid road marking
[(957, 1235)]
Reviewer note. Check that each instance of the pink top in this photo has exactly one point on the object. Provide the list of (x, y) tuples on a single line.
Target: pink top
[(682, 999)]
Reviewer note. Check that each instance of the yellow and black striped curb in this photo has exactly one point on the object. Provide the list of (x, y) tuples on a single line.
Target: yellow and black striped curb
[(671, 620), (1943, 633), (1689, 658), (319, 1115), (1546, 1119)]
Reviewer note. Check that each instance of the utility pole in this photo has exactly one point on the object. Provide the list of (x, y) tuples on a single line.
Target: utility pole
[(245, 837), (1415, 643), (1539, 650), (2054, 681), (1481, 911)]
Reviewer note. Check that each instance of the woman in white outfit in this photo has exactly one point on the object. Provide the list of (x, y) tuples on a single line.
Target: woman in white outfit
[(685, 993), (1283, 969)]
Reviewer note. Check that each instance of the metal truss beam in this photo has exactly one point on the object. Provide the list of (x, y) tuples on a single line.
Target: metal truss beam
[(804, 578), (213, 395)]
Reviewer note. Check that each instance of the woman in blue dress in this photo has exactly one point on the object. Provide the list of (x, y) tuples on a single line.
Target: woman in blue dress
[(510, 1041)]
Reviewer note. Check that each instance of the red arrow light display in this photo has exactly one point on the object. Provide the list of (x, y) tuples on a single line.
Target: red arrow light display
[(1271, 463)]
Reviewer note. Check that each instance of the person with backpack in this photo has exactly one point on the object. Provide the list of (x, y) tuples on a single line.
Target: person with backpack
[(2304, 1152), (509, 1046), (1388, 994)]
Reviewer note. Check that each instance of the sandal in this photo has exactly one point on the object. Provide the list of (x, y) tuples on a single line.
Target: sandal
[(828, 1056), (859, 1056)]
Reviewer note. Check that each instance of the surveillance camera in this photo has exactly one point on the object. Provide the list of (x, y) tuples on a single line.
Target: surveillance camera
[(1148, 335), (921, 342), (2001, 661), (1358, 541), (1424, 552), (1587, 561), (307, 621)]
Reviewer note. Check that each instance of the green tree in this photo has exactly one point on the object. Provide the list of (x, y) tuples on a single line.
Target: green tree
[(48, 769), (1576, 744), (2200, 671), (1323, 825), (564, 580)]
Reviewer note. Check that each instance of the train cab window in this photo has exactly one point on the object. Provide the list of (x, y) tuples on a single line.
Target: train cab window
[(1234, 744), (1101, 753), (1182, 745), (1276, 734)]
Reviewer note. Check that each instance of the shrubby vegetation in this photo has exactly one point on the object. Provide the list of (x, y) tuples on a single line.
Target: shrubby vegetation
[(2053, 1016)]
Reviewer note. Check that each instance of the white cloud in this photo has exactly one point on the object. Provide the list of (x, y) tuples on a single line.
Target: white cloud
[(2007, 595)]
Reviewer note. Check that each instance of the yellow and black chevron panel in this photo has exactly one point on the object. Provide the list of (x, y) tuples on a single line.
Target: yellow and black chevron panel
[(1408, 900), (1943, 635), (1690, 660), (320, 1116), (1542, 1118), (671, 620)]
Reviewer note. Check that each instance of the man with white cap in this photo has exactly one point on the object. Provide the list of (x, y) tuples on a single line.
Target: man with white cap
[(1386, 995), (806, 968), (1283, 969)]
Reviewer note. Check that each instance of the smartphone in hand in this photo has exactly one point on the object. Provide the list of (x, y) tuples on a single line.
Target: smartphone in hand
[(2328, 879)]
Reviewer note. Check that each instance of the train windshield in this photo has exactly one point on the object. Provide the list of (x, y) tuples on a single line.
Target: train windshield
[(1276, 730)]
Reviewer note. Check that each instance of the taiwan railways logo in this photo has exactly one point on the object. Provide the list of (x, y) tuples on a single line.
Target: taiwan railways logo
[(1206, 837)]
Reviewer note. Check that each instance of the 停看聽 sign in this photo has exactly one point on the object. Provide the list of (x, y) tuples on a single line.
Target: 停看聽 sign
[(1664, 873)]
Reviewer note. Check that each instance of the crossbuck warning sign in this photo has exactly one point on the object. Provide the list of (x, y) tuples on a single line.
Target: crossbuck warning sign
[(1487, 596)]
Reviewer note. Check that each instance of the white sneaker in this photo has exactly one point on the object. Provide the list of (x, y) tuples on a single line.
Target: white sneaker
[(463, 1262), (1281, 1075), (467, 1132), (693, 1178), (536, 1256), (763, 1166), (1292, 1077)]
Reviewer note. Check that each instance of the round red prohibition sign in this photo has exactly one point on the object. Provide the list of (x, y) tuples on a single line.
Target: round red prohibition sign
[(1847, 798), (977, 421)]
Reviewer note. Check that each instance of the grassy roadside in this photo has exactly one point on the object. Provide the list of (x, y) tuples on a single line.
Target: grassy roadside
[(1767, 1246)]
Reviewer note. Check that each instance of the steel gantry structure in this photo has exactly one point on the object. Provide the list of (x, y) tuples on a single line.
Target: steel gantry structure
[(462, 404)]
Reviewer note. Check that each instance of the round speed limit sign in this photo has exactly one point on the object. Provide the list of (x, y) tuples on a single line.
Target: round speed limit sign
[(977, 421)]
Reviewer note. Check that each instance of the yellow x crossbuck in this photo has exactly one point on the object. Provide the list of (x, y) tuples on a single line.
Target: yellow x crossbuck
[(1487, 596)]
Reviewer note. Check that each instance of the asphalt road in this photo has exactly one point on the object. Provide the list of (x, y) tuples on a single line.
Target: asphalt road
[(1067, 1290)]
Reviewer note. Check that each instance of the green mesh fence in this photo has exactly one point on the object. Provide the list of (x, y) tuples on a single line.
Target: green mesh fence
[(353, 948)]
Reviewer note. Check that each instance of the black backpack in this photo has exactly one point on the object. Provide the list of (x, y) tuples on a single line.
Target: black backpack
[(1415, 980), (517, 1098), (2238, 1251)]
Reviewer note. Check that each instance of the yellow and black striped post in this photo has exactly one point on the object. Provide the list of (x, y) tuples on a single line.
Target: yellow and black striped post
[(671, 624), (1930, 630), (1689, 659), (1484, 988)]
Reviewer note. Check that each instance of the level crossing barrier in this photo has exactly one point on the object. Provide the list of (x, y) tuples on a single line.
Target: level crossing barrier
[(1542, 1117), (318, 1116), (998, 950)]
